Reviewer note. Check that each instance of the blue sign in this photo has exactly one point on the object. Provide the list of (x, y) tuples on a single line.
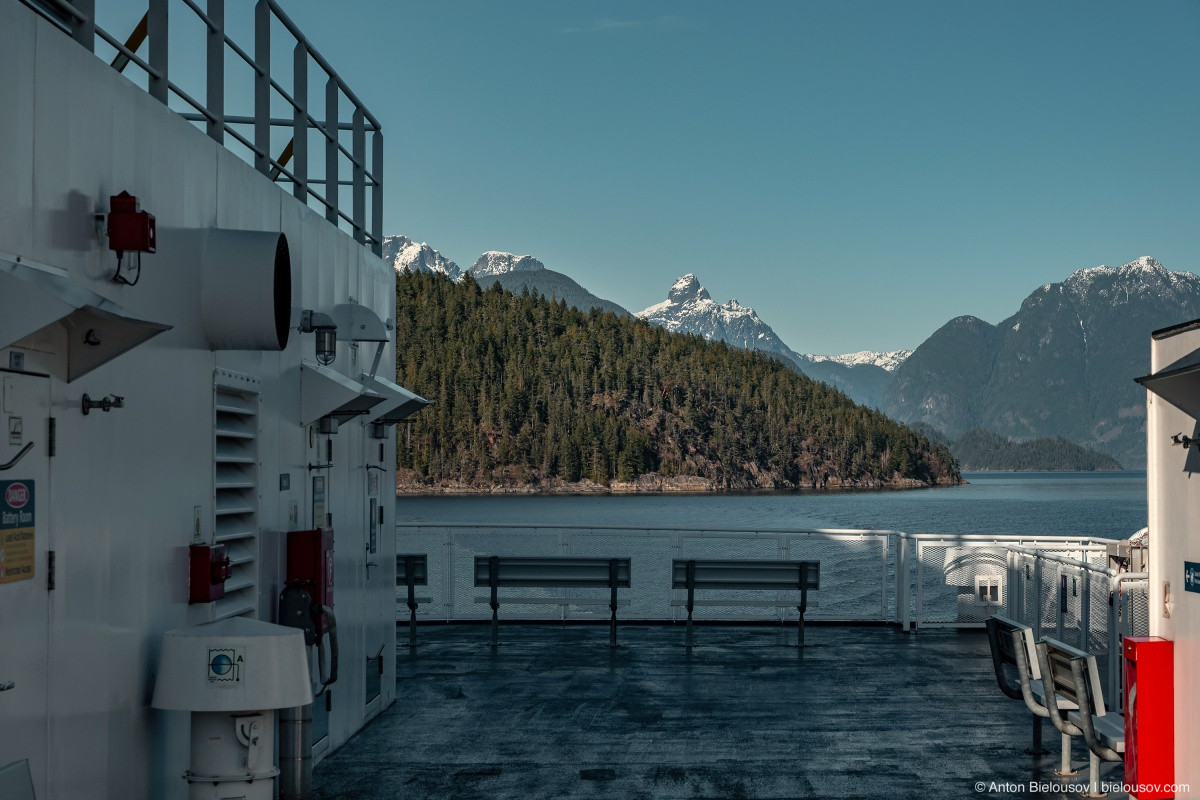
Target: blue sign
[(1191, 576)]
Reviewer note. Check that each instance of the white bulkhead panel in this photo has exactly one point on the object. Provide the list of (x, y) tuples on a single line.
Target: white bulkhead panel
[(135, 485), (1174, 522)]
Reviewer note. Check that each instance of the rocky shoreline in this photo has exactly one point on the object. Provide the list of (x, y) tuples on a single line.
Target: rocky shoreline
[(408, 485)]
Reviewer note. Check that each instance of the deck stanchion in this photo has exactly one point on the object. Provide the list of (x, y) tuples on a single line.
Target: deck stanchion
[(493, 579), (612, 603), (410, 567), (690, 574)]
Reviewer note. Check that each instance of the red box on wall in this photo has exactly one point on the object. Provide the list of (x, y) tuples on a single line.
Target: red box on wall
[(310, 563), (129, 228), (208, 568), (1149, 715)]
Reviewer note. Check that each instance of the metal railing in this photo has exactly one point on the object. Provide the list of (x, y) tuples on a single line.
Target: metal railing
[(253, 130), (913, 580), (1082, 602)]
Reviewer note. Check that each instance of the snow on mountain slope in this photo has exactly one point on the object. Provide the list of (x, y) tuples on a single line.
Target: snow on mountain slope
[(887, 360), (690, 309), (405, 254), (494, 262)]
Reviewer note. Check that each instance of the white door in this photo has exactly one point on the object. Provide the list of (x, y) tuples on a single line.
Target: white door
[(24, 544)]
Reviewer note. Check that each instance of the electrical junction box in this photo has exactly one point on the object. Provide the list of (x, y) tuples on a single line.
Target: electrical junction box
[(310, 564), (208, 569), (130, 230)]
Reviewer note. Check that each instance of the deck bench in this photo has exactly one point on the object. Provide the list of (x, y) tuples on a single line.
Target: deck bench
[(413, 571), (1076, 704), (566, 572), (693, 574), (1014, 651)]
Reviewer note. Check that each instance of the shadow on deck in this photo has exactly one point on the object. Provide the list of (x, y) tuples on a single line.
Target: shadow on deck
[(554, 713)]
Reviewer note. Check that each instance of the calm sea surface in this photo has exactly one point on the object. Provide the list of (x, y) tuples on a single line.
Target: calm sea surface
[(1099, 504)]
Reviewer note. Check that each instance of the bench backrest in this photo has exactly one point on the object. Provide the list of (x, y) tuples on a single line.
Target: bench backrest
[(1012, 645), (747, 574), (1059, 661), (420, 570), (551, 572), (1001, 632)]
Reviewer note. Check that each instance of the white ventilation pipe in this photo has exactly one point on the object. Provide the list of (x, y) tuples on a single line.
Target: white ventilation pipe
[(245, 289)]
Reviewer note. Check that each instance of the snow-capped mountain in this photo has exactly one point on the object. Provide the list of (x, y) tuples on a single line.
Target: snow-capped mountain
[(493, 263), (690, 309), (405, 254), (887, 360)]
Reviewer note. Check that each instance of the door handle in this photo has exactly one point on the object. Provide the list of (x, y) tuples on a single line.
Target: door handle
[(17, 457)]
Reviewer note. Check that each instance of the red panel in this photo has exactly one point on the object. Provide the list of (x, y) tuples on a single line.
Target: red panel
[(310, 563), (208, 567), (1149, 716)]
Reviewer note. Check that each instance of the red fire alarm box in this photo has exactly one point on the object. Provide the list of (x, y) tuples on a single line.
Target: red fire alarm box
[(208, 569), (1149, 716), (310, 563), (130, 230)]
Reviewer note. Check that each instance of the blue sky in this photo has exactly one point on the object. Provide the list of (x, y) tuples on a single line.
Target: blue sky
[(858, 172)]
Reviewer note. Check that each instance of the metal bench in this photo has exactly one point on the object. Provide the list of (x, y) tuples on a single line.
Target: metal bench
[(693, 574), (495, 572), (1076, 704), (412, 571), (1013, 647)]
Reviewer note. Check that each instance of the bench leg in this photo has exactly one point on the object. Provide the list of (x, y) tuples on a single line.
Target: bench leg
[(495, 625), (1094, 776), (1065, 765), (1037, 749)]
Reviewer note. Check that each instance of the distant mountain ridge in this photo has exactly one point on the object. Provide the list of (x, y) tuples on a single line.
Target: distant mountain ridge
[(1063, 365), (511, 271)]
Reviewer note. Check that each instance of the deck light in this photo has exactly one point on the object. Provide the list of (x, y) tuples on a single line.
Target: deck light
[(326, 333)]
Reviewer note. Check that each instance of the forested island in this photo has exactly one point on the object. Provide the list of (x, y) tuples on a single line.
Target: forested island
[(533, 395), (980, 450)]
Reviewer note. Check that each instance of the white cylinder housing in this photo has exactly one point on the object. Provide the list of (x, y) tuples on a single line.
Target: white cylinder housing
[(245, 289)]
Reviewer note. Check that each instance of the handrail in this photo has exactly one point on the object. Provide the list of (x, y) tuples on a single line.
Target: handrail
[(1071, 562), (364, 159)]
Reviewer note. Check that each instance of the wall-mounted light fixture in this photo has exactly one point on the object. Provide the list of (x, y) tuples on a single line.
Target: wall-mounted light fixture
[(379, 430), (1185, 441), (326, 333)]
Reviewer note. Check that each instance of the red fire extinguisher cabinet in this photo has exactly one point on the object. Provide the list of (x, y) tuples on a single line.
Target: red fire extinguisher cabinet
[(1149, 716)]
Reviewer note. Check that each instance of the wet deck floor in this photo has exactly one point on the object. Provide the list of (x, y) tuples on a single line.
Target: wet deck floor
[(554, 713)]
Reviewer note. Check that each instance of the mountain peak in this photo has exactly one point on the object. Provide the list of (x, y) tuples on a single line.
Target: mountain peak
[(406, 255), (1142, 275), (495, 262), (687, 287)]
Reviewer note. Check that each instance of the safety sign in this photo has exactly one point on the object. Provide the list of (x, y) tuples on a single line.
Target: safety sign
[(16, 531)]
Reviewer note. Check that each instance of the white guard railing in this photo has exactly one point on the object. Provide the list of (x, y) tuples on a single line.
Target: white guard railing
[(1081, 602), (943, 580)]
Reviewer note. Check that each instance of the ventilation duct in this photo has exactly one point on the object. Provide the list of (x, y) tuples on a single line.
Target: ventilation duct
[(245, 289)]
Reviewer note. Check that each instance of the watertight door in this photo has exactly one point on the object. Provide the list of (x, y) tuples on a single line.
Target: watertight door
[(24, 544)]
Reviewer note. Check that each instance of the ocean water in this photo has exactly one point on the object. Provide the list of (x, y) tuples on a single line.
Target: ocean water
[(1094, 504)]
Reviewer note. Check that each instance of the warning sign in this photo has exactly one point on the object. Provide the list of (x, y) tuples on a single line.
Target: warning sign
[(16, 531)]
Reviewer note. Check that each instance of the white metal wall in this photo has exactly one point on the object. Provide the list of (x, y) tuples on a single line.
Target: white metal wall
[(125, 484), (1174, 520)]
